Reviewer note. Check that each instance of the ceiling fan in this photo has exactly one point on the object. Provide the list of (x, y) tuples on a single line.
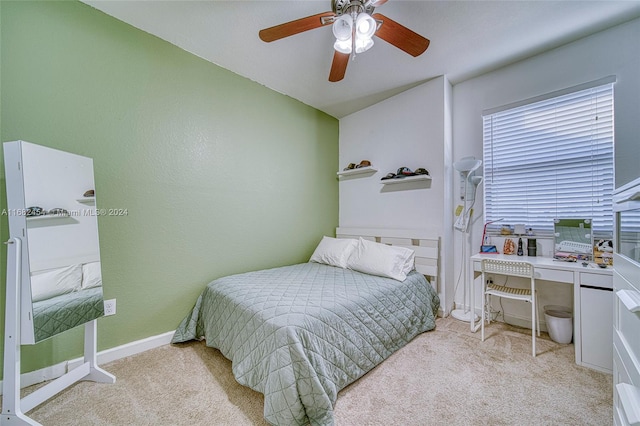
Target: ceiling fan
[(354, 25)]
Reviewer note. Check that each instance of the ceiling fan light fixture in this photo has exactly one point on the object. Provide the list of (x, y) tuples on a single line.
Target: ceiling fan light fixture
[(353, 23), (342, 27), (362, 45), (365, 26), (343, 46)]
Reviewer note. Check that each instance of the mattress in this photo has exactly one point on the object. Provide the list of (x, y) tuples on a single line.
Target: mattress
[(301, 333)]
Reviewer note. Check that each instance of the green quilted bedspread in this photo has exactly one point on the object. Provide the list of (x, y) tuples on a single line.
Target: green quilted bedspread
[(61, 313), (301, 333)]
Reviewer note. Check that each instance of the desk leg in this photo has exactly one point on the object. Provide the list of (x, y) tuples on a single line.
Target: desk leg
[(472, 299), (577, 315)]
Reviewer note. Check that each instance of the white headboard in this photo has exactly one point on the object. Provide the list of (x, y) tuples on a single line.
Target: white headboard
[(426, 248)]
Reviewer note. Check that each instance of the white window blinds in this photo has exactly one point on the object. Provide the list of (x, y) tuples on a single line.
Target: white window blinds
[(551, 159)]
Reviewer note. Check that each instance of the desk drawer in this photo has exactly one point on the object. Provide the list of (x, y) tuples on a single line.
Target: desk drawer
[(477, 265), (554, 275), (596, 280)]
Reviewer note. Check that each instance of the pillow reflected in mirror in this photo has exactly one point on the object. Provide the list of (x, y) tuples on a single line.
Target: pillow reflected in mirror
[(91, 275), (55, 282)]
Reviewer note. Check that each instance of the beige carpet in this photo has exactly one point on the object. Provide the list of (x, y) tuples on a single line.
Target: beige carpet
[(443, 377)]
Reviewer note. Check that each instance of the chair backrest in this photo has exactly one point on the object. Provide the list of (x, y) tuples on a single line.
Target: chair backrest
[(508, 267)]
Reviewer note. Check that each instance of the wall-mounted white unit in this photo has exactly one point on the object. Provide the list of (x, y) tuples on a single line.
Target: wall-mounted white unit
[(626, 309)]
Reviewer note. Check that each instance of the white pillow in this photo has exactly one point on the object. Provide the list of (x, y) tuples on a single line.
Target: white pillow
[(91, 275), (334, 251), (55, 282), (382, 260)]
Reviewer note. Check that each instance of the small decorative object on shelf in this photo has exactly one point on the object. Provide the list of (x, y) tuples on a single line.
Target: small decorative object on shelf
[(58, 212), (352, 166), (55, 213), (88, 197), (356, 169), (405, 174), (35, 211), (506, 230)]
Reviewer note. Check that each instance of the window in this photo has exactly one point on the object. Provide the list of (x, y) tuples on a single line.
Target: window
[(551, 158)]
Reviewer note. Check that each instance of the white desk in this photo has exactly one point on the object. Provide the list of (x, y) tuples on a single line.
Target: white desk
[(592, 307)]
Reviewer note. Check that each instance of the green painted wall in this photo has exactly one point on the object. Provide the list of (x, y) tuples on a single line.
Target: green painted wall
[(218, 174)]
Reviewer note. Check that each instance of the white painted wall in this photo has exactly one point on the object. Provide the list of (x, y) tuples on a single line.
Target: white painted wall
[(612, 52), (411, 129)]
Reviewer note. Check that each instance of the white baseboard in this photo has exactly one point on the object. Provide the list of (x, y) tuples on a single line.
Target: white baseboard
[(106, 356)]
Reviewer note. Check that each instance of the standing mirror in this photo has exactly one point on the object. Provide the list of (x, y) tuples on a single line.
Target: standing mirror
[(52, 209), (573, 240)]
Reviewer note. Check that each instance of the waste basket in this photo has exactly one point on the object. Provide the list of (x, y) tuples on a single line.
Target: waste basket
[(559, 323)]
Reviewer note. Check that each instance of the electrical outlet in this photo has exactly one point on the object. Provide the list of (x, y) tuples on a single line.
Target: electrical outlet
[(109, 307)]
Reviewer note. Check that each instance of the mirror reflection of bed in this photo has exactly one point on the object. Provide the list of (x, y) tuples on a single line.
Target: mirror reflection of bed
[(62, 240), (65, 297)]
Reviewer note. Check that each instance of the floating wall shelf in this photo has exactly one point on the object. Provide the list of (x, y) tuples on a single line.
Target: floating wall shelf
[(48, 217), (86, 200), (405, 179), (49, 220), (360, 171)]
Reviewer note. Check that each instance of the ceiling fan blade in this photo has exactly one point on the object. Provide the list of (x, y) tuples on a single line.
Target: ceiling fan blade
[(400, 36), (295, 27), (338, 66)]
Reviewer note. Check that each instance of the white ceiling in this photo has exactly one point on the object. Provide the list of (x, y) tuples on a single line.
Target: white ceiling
[(468, 38)]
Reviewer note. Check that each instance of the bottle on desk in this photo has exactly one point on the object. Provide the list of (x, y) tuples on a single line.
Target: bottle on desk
[(520, 250), (531, 247)]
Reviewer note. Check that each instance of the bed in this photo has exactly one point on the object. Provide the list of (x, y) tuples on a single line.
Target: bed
[(299, 334)]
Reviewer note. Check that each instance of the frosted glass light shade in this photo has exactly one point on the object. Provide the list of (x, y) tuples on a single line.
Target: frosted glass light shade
[(342, 27), (365, 26), (362, 45), (343, 46)]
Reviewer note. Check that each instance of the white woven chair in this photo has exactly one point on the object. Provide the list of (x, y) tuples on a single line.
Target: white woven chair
[(515, 269)]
